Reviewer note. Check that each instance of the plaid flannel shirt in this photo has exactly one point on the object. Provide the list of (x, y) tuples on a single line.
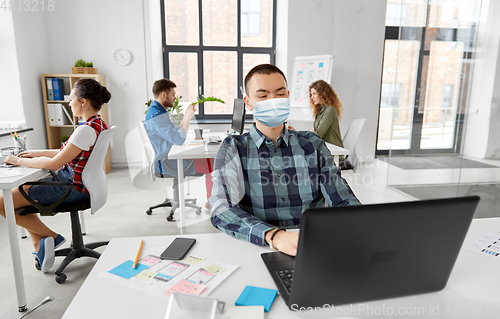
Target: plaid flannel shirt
[(78, 163), (259, 186)]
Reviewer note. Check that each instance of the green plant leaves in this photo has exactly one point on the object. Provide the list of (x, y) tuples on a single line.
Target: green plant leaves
[(208, 99), (82, 64)]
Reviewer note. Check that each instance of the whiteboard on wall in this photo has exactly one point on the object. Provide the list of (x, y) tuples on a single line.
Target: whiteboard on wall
[(306, 70)]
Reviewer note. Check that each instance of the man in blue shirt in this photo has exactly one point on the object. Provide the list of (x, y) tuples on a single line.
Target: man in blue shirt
[(161, 129), (265, 179)]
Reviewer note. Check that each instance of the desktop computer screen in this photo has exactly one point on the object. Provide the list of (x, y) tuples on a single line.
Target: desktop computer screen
[(238, 116)]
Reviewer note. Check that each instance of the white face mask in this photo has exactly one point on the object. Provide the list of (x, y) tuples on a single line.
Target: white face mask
[(272, 112)]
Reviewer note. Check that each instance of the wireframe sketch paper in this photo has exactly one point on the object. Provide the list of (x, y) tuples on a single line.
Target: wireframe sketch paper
[(193, 274), (484, 243)]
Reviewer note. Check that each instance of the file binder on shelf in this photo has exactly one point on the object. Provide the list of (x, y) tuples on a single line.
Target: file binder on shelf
[(50, 92), (58, 88), (59, 116), (52, 114)]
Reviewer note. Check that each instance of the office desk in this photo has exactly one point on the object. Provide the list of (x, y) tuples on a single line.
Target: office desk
[(472, 288), (7, 184), (186, 151)]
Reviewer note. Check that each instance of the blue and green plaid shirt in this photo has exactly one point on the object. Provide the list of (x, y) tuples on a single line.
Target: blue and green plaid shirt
[(259, 186)]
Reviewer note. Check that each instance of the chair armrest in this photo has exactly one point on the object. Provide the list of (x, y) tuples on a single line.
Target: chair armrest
[(172, 170), (46, 210)]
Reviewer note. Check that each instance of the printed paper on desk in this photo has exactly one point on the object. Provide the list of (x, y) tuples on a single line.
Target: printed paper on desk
[(187, 287), (201, 277), (146, 275), (149, 260), (169, 273), (484, 243)]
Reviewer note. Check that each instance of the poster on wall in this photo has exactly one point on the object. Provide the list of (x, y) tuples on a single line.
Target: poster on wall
[(306, 70)]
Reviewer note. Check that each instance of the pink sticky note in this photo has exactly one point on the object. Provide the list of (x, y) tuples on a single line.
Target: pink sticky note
[(303, 65), (187, 287)]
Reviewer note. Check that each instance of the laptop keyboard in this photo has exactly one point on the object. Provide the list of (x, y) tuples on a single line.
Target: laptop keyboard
[(286, 277)]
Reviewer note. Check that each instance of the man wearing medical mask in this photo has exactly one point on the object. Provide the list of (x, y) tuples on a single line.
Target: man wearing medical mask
[(265, 179)]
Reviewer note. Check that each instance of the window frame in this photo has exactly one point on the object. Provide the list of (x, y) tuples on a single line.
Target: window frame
[(248, 12), (419, 33), (200, 49)]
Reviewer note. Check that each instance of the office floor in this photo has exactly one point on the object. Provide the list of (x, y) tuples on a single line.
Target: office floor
[(124, 216)]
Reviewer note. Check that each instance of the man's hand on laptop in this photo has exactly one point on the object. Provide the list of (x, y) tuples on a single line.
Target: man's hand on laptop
[(286, 242)]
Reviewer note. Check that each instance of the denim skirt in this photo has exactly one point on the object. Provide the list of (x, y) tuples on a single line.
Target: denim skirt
[(49, 194)]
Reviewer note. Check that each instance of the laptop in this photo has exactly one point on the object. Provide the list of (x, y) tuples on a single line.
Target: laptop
[(353, 254)]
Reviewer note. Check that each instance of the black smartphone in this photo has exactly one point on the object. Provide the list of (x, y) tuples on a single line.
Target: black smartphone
[(178, 248)]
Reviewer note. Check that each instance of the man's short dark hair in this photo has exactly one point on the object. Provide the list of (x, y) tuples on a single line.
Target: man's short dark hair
[(262, 69), (163, 85)]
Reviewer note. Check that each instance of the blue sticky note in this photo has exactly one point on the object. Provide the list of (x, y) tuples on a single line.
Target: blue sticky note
[(321, 64), (126, 270), (256, 296)]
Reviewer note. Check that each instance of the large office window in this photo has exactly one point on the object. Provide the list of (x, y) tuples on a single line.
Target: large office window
[(429, 48), (11, 107), (210, 45)]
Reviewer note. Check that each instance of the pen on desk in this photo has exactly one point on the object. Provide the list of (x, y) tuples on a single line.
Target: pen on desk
[(138, 254)]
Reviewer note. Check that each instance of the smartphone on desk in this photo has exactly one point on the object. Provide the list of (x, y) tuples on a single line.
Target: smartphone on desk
[(178, 248)]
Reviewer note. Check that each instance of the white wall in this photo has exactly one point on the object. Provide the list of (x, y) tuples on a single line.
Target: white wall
[(309, 30), (92, 30), (482, 124), (358, 48)]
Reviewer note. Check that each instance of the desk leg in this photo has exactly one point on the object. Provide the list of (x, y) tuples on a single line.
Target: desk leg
[(14, 249), (182, 206), (336, 159)]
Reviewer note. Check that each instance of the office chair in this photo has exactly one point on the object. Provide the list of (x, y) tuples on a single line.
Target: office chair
[(95, 181), (349, 142), (150, 169)]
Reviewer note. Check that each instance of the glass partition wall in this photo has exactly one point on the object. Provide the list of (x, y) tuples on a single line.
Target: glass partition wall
[(431, 51)]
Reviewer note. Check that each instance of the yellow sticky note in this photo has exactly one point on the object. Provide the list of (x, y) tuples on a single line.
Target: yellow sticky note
[(214, 269), (193, 260), (146, 275)]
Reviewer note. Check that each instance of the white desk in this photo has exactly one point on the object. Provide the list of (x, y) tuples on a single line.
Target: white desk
[(473, 285), (186, 151), (7, 184)]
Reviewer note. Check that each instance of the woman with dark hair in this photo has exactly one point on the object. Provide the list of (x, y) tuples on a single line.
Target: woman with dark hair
[(87, 98)]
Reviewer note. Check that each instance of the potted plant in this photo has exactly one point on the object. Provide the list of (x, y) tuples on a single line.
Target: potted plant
[(82, 67), (177, 108), (64, 138)]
